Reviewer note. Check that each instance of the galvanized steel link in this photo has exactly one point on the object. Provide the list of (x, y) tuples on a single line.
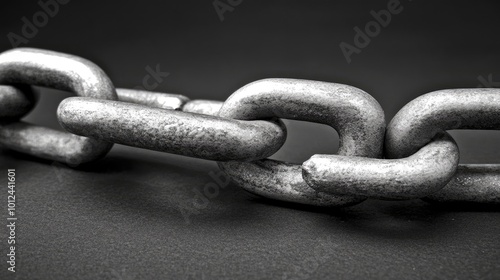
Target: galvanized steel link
[(421, 119), (283, 181), (152, 99), (423, 173), (195, 135), (477, 183), (356, 116), (60, 71), (423, 158), (432, 113), (206, 107), (15, 102)]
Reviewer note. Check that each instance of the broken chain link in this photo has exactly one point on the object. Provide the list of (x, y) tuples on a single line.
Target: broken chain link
[(420, 159)]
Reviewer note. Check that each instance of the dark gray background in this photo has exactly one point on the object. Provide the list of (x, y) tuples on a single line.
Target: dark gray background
[(119, 218)]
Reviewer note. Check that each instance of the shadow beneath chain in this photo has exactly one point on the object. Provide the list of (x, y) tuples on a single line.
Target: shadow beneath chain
[(397, 219), (132, 184)]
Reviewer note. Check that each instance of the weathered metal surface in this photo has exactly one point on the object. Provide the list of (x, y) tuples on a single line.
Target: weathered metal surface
[(51, 144), (281, 181), (423, 173), (355, 115), (424, 117), (15, 102), (55, 70), (152, 99), (195, 135), (206, 107), (60, 71), (420, 120), (243, 130), (477, 183)]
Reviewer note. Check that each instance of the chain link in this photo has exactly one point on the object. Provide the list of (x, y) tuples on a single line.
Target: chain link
[(206, 107), (15, 101), (60, 71), (420, 159), (422, 173), (356, 116), (188, 134), (152, 99), (433, 113)]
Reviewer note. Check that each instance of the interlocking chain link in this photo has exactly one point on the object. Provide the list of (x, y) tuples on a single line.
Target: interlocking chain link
[(420, 159), (60, 71), (436, 112), (356, 116), (170, 131), (426, 171)]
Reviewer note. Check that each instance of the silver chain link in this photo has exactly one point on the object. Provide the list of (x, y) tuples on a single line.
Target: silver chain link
[(412, 157)]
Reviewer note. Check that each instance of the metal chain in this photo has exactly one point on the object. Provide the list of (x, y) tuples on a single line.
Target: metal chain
[(420, 159)]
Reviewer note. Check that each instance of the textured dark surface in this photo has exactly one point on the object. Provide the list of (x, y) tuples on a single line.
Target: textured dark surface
[(120, 219)]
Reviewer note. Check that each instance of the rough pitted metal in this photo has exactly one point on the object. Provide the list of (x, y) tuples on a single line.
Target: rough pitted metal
[(281, 181), (152, 99), (206, 107), (60, 71), (422, 156), (15, 102), (356, 116), (51, 144), (432, 113), (195, 135), (477, 183), (421, 174), (424, 117), (56, 70)]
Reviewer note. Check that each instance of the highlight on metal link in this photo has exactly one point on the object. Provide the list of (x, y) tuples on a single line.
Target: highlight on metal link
[(412, 157)]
